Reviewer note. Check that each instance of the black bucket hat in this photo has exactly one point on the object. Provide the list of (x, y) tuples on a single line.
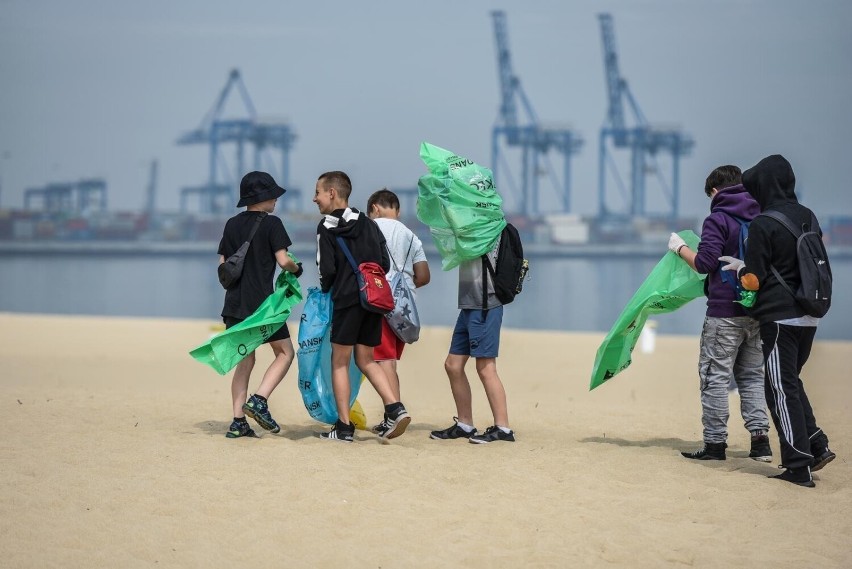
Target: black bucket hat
[(257, 187)]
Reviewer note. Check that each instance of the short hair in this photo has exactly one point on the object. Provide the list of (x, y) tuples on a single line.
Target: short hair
[(339, 180), (723, 177), (383, 198)]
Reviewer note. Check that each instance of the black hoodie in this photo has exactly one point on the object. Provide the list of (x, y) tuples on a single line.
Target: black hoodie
[(771, 182), (366, 243)]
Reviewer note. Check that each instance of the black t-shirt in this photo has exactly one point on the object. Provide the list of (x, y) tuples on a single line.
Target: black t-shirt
[(256, 282)]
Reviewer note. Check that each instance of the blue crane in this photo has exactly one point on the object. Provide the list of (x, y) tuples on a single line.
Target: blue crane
[(216, 197), (643, 140), (534, 140)]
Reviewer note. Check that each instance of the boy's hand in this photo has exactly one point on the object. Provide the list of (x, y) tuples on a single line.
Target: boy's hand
[(298, 272), (733, 264), (675, 243)]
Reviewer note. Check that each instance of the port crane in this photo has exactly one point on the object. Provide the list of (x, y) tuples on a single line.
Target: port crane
[(643, 141), (534, 141), (219, 194)]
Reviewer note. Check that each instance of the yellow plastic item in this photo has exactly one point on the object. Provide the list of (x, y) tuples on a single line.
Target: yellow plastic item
[(357, 416)]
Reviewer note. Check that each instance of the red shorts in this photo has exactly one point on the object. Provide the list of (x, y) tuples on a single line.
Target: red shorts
[(391, 346)]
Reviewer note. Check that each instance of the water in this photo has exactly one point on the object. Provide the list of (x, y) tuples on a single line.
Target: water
[(561, 294)]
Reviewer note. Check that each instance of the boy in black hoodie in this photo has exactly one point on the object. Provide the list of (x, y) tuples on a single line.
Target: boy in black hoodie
[(351, 325), (786, 331)]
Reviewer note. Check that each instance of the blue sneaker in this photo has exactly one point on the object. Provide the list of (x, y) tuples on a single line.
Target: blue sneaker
[(258, 409)]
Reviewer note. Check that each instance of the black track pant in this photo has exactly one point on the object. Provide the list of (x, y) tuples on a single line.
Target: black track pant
[(785, 351)]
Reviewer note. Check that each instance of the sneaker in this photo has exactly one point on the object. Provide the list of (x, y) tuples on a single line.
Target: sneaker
[(799, 476), (823, 459), (491, 434), (258, 409), (711, 451), (396, 423), (340, 432), (454, 432), (382, 427), (240, 429), (760, 450)]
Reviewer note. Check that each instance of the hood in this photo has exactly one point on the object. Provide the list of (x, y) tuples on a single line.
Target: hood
[(347, 222), (771, 181), (735, 201)]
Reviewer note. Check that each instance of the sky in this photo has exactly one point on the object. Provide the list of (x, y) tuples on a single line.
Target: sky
[(97, 88)]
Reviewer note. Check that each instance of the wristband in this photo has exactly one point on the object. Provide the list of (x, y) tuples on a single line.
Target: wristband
[(678, 250)]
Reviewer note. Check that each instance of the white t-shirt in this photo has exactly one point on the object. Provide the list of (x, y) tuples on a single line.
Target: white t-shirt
[(399, 239)]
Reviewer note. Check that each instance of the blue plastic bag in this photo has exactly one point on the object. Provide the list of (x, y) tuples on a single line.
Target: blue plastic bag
[(314, 358)]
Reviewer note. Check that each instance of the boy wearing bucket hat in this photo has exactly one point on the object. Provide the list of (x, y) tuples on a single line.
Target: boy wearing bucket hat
[(268, 249)]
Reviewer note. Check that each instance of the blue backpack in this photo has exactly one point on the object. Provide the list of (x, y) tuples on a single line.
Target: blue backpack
[(730, 277)]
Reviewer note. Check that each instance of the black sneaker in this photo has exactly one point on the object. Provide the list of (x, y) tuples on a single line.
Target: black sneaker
[(240, 429), (760, 449), (340, 432), (396, 423), (454, 432), (711, 451), (823, 459), (799, 476), (258, 409), (382, 427), (491, 434)]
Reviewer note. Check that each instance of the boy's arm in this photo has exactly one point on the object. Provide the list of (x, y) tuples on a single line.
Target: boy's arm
[(422, 276), (325, 260), (285, 262)]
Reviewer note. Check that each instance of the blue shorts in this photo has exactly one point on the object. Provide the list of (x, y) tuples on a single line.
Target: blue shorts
[(477, 333)]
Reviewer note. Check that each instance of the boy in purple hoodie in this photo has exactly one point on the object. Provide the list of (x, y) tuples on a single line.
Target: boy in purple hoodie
[(730, 340)]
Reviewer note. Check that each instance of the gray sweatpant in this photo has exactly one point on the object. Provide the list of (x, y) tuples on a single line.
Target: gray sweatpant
[(730, 348)]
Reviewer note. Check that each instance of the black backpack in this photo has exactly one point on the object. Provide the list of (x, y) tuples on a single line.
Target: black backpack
[(508, 277), (814, 294), (730, 277)]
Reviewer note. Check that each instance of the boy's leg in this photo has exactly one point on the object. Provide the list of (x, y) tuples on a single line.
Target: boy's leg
[(386, 355), (340, 356), (239, 384), (487, 370), (283, 350), (748, 371), (460, 387), (720, 341), (374, 373)]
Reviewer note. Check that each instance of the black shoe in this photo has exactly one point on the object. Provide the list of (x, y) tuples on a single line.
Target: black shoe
[(760, 450), (382, 427), (799, 476), (711, 451), (823, 459), (491, 434), (396, 423), (454, 432), (258, 409), (340, 432), (240, 429)]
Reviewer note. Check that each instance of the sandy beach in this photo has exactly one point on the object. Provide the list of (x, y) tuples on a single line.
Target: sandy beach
[(113, 455)]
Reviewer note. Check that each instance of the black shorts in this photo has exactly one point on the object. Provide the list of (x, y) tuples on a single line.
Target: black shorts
[(282, 334), (353, 325)]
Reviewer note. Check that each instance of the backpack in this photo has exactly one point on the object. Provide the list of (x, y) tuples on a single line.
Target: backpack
[(814, 293), (511, 270), (730, 277), (403, 319), (374, 290)]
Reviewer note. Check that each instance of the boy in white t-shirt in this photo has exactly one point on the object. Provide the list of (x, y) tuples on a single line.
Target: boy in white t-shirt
[(406, 252)]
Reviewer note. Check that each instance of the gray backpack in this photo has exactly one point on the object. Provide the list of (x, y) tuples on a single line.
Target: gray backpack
[(232, 269)]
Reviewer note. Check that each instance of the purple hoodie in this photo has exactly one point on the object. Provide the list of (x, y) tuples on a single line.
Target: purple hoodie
[(720, 235)]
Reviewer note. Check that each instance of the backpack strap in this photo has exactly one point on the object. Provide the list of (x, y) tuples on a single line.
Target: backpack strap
[(348, 254), (257, 223), (395, 267), (487, 270), (787, 223)]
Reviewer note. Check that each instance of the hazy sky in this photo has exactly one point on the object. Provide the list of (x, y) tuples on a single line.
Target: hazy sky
[(97, 88)]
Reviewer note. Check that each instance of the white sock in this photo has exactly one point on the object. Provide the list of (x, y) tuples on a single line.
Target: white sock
[(467, 428), (506, 430)]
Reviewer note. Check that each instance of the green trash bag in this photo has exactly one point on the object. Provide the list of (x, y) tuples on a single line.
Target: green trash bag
[(226, 349), (670, 285), (459, 203)]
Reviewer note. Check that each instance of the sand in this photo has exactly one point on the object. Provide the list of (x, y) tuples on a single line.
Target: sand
[(113, 455)]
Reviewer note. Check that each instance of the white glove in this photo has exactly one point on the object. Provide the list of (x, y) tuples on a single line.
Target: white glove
[(675, 242), (733, 264)]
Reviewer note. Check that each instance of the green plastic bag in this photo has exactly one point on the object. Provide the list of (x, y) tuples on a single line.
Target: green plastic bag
[(459, 203), (226, 349), (670, 285)]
